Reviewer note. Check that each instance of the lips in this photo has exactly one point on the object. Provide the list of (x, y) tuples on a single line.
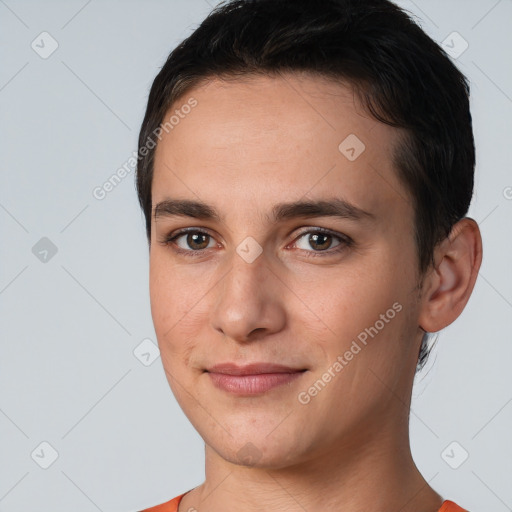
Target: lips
[(252, 369), (252, 379)]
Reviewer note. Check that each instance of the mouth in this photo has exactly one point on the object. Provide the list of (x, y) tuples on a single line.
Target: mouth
[(252, 379)]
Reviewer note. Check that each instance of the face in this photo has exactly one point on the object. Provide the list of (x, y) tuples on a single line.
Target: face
[(300, 253)]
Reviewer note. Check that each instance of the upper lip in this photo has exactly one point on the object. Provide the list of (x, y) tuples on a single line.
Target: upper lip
[(252, 369)]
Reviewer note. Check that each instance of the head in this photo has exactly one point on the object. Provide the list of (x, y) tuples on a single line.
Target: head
[(272, 117)]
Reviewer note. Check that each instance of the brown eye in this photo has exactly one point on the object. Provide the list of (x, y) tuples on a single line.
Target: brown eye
[(191, 241), (315, 242), (197, 240), (319, 241)]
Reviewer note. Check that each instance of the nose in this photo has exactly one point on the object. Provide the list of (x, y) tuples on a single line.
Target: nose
[(249, 302)]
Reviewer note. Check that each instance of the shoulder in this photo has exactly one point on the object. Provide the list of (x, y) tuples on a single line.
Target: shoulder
[(450, 506), (172, 506), (168, 506)]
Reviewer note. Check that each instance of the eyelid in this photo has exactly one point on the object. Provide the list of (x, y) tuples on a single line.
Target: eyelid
[(326, 231)]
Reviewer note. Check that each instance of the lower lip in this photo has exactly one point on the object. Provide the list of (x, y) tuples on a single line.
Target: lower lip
[(252, 384)]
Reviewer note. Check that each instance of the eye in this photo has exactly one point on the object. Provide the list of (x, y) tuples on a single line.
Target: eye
[(321, 240), (192, 240), (315, 242)]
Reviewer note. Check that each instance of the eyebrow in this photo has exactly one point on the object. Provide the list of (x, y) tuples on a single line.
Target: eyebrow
[(338, 208)]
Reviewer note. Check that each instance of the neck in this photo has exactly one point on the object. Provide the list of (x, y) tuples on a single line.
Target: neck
[(375, 472)]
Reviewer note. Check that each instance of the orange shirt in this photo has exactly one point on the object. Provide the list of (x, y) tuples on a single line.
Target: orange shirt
[(172, 506)]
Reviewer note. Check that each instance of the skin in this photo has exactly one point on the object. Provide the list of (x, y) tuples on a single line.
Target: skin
[(249, 144)]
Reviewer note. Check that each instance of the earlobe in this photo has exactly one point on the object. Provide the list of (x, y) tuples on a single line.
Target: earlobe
[(449, 285)]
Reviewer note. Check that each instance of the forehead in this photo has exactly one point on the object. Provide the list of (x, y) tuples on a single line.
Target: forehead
[(260, 140)]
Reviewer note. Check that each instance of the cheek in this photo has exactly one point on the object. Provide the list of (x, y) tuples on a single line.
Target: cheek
[(169, 292), (366, 313), (347, 301), (179, 304), (363, 355)]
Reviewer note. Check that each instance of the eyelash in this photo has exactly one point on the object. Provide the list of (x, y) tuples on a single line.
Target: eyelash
[(345, 242)]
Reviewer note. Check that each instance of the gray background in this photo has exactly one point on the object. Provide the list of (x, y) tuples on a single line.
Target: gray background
[(71, 320)]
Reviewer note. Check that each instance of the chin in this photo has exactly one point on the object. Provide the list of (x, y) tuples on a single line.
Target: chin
[(258, 450)]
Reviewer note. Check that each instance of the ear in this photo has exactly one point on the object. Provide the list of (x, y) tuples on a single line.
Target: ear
[(448, 286)]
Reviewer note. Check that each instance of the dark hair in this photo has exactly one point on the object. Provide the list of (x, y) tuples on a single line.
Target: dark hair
[(403, 78)]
